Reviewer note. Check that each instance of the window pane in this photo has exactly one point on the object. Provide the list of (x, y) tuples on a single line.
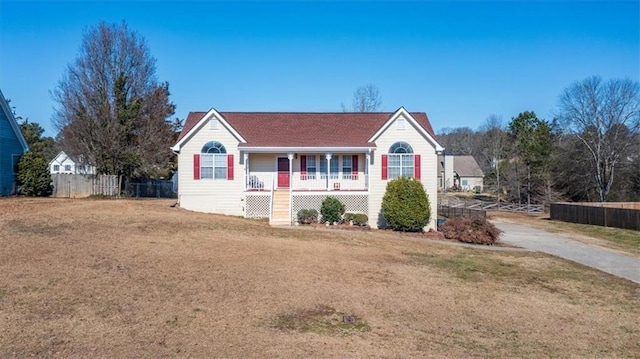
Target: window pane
[(407, 171), (394, 172), (394, 160), (311, 166), (334, 164), (220, 160), (346, 161), (407, 160), (206, 160), (206, 172), (221, 173)]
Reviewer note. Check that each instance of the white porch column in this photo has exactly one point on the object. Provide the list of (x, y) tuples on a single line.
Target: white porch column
[(246, 170), (290, 156), (366, 171), (328, 158)]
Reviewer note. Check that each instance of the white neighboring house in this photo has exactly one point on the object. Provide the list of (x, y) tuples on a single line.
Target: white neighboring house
[(64, 164), (460, 173), (273, 164)]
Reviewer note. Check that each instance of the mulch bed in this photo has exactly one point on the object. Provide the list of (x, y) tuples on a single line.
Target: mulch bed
[(347, 227)]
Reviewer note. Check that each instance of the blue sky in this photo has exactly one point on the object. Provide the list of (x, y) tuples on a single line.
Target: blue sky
[(457, 61)]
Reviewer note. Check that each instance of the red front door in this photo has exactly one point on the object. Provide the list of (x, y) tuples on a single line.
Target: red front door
[(283, 172)]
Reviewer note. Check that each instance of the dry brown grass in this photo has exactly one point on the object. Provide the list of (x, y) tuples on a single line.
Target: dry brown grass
[(107, 278)]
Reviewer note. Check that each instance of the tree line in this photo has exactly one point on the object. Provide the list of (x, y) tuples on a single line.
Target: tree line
[(112, 110), (590, 150)]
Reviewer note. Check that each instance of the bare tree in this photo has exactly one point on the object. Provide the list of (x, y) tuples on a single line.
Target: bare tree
[(365, 99), (605, 117), (494, 138), (458, 141), (110, 107)]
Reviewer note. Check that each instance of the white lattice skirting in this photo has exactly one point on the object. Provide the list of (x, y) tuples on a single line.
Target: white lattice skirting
[(257, 205), (354, 203)]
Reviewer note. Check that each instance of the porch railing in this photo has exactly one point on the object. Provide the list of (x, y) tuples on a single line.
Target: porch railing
[(332, 183), (259, 183), (300, 182)]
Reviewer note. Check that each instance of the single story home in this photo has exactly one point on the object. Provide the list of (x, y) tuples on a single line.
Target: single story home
[(459, 173), (12, 146), (273, 164), (66, 164)]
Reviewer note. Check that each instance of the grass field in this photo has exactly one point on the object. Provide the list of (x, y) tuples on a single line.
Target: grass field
[(125, 278)]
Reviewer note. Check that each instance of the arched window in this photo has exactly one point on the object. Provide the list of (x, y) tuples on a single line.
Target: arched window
[(401, 161), (213, 161), (213, 147)]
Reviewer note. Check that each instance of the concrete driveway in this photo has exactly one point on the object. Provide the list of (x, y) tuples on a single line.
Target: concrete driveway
[(596, 257)]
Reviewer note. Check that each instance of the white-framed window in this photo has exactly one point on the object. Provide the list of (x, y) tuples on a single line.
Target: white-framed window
[(56, 168), (334, 164), (213, 161), (67, 168), (311, 167), (347, 167), (401, 160)]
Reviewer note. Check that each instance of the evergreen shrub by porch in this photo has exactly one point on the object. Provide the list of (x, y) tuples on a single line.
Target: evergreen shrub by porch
[(471, 230), (332, 210), (307, 216), (33, 175), (405, 205), (358, 219)]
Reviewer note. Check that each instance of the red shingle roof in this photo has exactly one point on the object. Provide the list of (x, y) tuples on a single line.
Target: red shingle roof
[(305, 129)]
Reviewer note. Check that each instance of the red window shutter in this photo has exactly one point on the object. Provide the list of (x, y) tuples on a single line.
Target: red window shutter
[(416, 171), (384, 167), (196, 167), (230, 167), (354, 167), (303, 167)]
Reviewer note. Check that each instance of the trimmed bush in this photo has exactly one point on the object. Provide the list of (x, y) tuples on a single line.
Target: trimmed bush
[(33, 175), (331, 210), (307, 216), (360, 219), (348, 217), (471, 230), (357, 219), (405, 205)]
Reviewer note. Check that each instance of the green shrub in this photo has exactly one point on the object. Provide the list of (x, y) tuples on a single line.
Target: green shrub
[(405, 205), (360, 219), (33, 175), (307, 216), (348, 217), (331, 210), (471, 230), (357, 219)]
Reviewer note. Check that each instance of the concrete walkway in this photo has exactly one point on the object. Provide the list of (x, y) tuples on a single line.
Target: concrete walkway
[(596, 257)]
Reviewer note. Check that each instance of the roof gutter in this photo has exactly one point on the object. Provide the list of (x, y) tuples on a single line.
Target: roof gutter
[(260, 149)]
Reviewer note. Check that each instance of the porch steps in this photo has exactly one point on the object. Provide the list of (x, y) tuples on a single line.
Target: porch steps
[(280, 215)]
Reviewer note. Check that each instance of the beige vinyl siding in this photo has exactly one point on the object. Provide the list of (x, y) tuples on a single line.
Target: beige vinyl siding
[(211, 195), (472, 182), (263, 165), (428, 171)]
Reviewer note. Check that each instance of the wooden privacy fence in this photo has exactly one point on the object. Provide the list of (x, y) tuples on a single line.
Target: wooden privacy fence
[(74, 186), (456, 212), (620, 215)]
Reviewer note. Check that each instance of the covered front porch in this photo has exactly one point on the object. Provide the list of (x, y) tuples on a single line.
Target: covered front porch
[(307, 171)]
